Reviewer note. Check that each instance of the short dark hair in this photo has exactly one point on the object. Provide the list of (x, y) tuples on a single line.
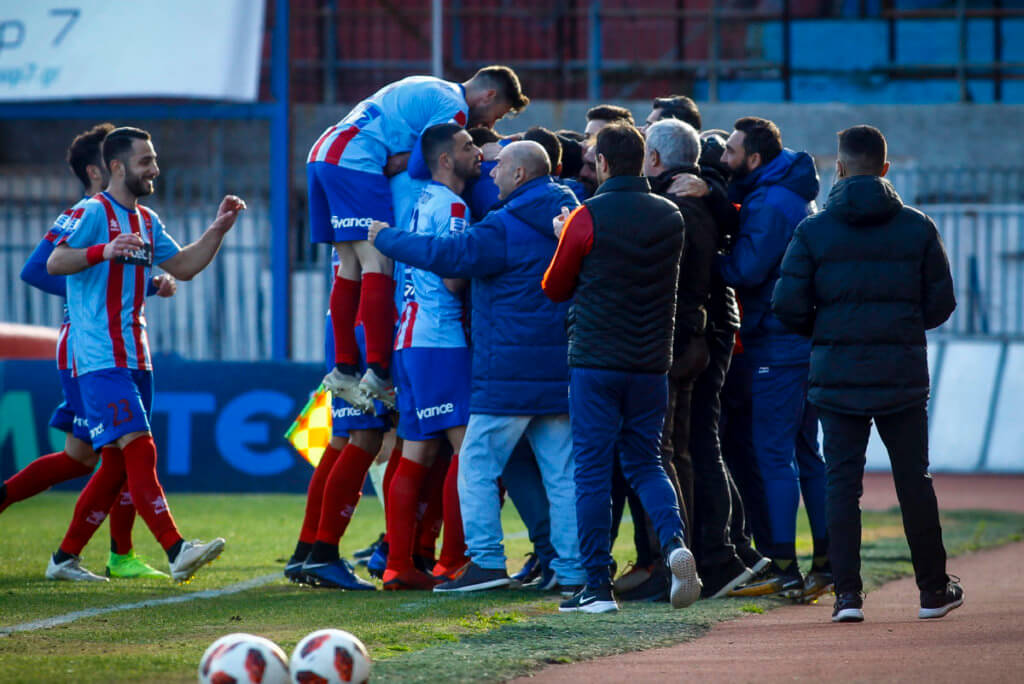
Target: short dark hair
[(119, 141), (609, 113), (570, 134), (505, 81), (572, 154), (549, 141), (482, 135), (862, 149), (760, 136), (679, 107), (437, 140), (623, 148), (86, 150)]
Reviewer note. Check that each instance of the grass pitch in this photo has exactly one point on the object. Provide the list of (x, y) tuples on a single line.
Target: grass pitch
[(412, 636)]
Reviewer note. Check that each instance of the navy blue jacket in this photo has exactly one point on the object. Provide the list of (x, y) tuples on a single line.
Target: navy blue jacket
[(520, 348), (773, 199)]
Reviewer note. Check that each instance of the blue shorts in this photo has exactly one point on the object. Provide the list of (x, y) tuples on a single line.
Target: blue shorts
[(344, 416), (70, 415), (433, 390), (117, 402), (343, 202)]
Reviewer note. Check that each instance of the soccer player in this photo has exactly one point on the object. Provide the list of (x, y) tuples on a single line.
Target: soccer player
[(78, 458), (108, 253), (347, 169), (433, 364)]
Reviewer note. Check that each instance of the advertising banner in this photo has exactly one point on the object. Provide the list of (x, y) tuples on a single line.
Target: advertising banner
[(93, 49)]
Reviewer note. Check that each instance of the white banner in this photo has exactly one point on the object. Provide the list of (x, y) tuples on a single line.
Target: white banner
[(64, 49)]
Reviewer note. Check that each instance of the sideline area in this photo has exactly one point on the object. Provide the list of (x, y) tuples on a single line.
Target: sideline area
[(978, 642)]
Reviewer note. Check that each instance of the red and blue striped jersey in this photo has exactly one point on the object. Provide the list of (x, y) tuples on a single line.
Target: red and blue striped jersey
[(107, 302)]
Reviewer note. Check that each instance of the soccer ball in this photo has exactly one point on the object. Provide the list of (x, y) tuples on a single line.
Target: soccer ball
[(243, 658), (330, 656)]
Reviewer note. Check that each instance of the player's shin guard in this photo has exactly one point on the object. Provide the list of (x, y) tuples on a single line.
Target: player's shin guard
[(94, 501), (378, 312), (453, 548), (315, 495), (402, 503), (122, 519), (342, 490), (344, 305), (432, 505), (40, 475), (147, 494)]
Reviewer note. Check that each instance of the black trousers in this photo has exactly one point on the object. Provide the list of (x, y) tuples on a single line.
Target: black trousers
[(905, 435), (713, 510)]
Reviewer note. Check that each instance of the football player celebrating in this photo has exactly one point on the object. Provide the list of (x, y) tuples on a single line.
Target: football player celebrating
[(108, 253)]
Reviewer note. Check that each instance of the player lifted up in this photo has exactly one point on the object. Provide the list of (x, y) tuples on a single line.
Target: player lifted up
[(348, 169), (108, 254)]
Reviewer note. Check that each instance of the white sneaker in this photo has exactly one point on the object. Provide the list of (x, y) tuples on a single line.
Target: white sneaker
[(347, 387), (72, 571), (194, 555), (686, 585), (373, 386)]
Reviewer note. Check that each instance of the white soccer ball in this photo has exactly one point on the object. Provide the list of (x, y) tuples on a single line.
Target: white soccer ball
[(330, 656), (237, 658)]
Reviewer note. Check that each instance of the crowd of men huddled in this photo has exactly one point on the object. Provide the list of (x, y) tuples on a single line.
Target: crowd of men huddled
[(653, 316)]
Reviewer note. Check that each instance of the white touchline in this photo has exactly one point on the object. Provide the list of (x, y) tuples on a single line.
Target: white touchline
[(58, 620)]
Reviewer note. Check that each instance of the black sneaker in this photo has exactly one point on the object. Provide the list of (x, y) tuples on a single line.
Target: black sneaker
[(363, 555), (545, 581), (848, 608), (567, 591), (654, 588), (935, 604), (773, 580), (591, 600), (530, 571), (719, 580), (474, 578)]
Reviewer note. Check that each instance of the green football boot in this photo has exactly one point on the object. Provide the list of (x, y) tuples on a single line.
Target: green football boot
[(128, 566)]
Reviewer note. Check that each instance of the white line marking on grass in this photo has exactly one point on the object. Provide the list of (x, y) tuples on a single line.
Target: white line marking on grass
[(67, 618)]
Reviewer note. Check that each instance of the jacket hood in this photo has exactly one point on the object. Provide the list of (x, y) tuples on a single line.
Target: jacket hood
[(538, 201), (863, 200), (794, 171)]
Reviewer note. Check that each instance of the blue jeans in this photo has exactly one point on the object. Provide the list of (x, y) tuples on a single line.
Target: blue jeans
[(525, 487), (609, 408), (486, 449)]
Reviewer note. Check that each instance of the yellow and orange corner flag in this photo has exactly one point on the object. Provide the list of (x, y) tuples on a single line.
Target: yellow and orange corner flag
[(311, 431)]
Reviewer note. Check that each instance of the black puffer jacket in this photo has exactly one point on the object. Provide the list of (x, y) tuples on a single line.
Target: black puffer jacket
[(864, 279), (623, 312)]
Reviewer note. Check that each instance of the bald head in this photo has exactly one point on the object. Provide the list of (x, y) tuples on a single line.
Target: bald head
[(519, 163)]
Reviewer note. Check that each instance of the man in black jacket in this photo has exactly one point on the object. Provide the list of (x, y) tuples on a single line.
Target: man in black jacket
[(864, 279), (618, 256), (673, 148)]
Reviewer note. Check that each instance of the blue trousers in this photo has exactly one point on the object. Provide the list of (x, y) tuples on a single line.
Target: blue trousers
[(609, 408), (784, 431), (525, 487)]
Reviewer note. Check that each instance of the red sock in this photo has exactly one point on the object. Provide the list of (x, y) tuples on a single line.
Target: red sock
[(94, 502), (147, 494), (315, 495), (389, 474), (378, 310), (453, 548), (342, 490), (40, 475), (432, 505), (344, 304), (403, 500), (122, 519)]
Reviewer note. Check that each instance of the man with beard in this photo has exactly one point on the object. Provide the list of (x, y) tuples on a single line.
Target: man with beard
[(108, 254), (864, 279), (776, 188), (520, 372), (432, 363), (348, 168)]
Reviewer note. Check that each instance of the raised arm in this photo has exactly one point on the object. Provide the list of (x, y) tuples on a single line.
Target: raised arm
[(193, 258), (66, 260)]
